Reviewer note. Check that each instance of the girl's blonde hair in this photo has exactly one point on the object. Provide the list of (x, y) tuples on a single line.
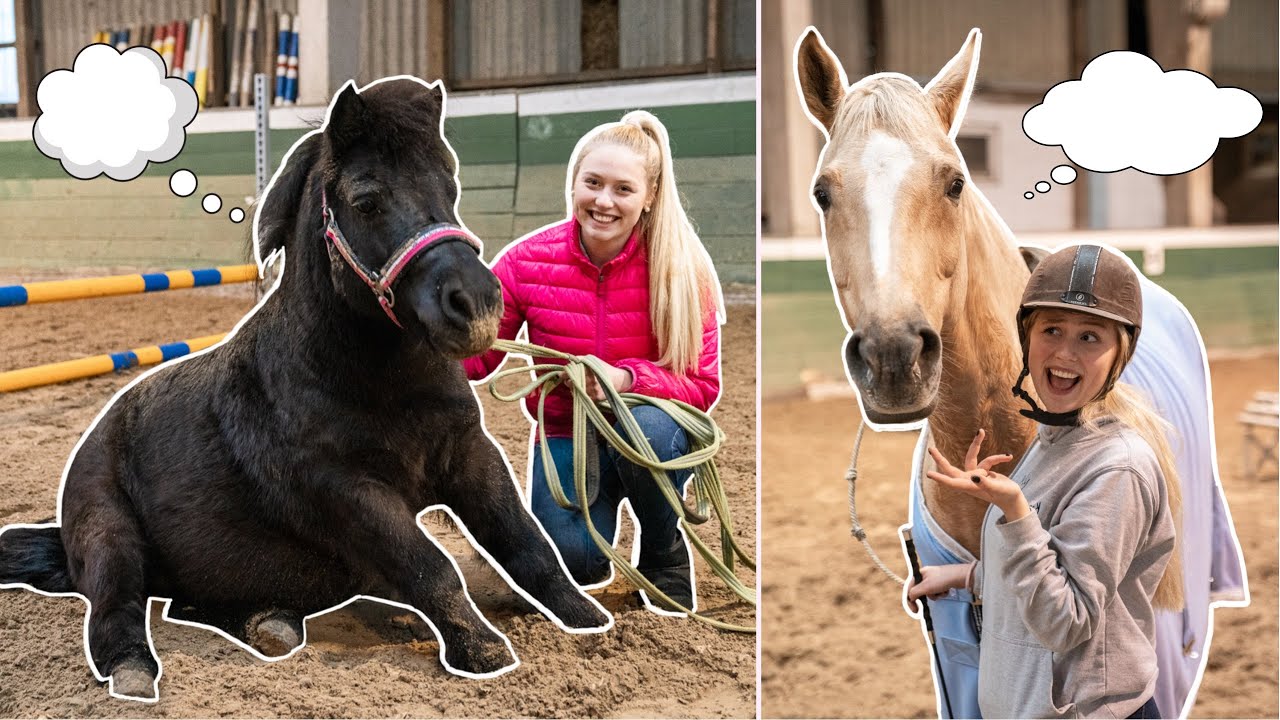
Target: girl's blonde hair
[(1129, 406), (683, 286)]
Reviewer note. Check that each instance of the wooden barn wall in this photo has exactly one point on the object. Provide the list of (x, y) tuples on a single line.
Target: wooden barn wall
[(1244, 57), (1026, 44), (394, 40), (661, 33), (507, 44)]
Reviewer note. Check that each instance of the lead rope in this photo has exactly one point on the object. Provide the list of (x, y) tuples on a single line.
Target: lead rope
[(851, 477), (705, 439)]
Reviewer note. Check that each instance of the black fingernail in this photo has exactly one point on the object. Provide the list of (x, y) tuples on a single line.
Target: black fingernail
[(975, 478)]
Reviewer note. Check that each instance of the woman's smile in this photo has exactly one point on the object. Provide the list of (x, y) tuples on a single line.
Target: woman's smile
[(609, 196)]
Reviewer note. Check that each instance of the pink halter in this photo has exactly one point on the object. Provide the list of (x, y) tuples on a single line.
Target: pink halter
[(380, 281)]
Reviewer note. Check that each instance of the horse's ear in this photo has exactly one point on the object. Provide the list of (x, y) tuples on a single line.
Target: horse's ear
[(949, 90), (277, 213), (348, 118), (819, 78), (1032, 256)]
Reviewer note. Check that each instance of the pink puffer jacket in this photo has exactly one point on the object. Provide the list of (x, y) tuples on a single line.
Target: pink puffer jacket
[(573, 306)]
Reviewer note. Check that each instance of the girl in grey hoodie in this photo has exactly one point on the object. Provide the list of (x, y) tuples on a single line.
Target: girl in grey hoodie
[(1079, 543)]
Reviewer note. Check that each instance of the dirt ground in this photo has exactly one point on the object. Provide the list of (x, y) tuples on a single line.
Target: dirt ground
[(836, 640), (364, 660)]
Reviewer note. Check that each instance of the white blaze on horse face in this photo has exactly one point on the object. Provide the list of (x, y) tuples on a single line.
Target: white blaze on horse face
[(885, 160)]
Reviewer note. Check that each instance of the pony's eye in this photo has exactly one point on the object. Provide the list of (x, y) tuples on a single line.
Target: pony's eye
[(823, 198), (365, 205), (957, 186)]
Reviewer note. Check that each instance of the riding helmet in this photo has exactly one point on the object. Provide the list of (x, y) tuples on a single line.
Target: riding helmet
[(1087, 279)]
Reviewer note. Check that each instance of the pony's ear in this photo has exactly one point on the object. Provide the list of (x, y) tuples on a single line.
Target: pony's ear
[(949, 90), (347, 119), (819, 78), (277, 213)]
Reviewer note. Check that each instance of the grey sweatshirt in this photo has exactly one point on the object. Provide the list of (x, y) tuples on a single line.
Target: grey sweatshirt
[(1068, 628)]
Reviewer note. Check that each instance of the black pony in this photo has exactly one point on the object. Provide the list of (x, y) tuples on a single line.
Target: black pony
[(282, 473)]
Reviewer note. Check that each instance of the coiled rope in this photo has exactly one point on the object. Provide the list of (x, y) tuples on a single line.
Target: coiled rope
[(705, 439)]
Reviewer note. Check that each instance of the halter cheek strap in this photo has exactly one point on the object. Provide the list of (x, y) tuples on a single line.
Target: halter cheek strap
[(382, 280)]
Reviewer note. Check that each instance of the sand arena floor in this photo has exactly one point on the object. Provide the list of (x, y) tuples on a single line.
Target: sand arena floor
[(366, 660)]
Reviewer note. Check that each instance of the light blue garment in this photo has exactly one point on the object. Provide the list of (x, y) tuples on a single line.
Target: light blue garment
[(956, 655), (1170, 366)]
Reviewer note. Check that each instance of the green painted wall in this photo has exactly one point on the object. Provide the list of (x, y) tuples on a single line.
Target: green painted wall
[(512, 175)]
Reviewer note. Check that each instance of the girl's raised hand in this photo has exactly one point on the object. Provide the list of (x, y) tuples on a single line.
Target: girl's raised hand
[(977, 479)]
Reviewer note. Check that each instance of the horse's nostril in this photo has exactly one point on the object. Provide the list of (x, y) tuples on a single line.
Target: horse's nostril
[(931, 344), (458, 303)]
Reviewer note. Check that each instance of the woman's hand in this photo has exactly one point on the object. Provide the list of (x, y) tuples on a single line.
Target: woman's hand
[(620, 379), (936, 580), (978, 480)]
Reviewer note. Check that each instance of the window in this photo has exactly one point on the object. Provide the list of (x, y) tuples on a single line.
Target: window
[(976, 153), (517, 42), (8, 60)]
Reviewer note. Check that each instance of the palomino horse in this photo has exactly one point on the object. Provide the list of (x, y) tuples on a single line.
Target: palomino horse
[(928, 278)]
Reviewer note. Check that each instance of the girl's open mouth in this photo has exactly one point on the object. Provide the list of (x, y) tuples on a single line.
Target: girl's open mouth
[(1062, 380)]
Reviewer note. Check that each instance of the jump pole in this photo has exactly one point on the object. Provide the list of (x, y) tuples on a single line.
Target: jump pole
[(77, 289), (101, 364)]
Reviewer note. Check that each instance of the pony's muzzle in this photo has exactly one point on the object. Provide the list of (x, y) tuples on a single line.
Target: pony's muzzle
[(457, 299)]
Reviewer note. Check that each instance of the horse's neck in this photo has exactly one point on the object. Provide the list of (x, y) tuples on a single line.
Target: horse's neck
[(981, 361)]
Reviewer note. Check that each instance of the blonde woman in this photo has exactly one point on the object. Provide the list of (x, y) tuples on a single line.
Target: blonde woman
[(624, 278), (1079, 544)]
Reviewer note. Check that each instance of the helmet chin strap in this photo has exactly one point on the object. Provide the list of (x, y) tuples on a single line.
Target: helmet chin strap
[(1039, 414)]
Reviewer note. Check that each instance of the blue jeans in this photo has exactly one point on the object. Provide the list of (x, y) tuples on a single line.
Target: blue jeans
[(1148, 710), (660, 538)]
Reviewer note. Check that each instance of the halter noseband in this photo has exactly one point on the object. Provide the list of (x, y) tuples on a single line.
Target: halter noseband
[(380, 281)]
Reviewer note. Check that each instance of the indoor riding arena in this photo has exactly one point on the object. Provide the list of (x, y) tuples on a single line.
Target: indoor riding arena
[(513, 115)]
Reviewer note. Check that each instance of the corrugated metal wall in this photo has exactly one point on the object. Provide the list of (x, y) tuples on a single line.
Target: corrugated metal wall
[(1025, 43), (515, 38), (394, 40), (660, 33)]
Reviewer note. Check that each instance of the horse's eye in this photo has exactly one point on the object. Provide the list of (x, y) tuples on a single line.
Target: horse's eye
[(954, 191), (365, 205), (823, 198)]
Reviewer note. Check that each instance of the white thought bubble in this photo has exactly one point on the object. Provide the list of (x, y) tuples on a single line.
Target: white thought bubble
[(1125, 112), (113, 113)]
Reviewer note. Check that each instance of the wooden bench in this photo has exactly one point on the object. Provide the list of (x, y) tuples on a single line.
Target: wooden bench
[(1261, 420)]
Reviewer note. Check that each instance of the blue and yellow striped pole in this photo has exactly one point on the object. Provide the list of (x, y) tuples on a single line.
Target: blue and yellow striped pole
[(101, 364), (77, 289)]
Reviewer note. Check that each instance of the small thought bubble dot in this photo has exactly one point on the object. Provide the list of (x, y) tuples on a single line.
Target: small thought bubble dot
[(182, 183), (1043, 187), (1028, 195), (237, 215), (211, 203), (1063, 174)]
